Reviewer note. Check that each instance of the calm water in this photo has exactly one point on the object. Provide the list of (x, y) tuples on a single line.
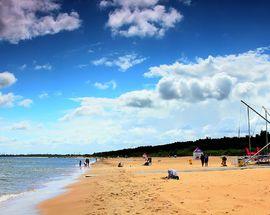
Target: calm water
[(25, 182)]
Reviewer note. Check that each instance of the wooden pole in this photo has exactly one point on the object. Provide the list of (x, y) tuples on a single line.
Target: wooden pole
[(249, 142), (266, 129), (255, 111), (267, 121)]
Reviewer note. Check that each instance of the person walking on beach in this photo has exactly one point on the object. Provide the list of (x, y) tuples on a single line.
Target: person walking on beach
[(206, 158), (202, 159)]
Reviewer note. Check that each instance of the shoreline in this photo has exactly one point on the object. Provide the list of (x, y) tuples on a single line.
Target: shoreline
[(113, 190), (27, 201)]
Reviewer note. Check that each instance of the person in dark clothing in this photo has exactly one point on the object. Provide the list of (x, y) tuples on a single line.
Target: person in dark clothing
[(87, 162), (80, 163), (224, 160), (206, 158), (202, 159), (172, 174)]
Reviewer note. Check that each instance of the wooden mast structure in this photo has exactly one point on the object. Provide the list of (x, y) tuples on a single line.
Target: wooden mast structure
[(266, 120)]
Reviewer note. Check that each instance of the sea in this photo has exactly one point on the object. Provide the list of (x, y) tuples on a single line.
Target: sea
[(27, 181)]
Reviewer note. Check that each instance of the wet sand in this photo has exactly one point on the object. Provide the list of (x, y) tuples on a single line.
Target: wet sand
[(137, 189)]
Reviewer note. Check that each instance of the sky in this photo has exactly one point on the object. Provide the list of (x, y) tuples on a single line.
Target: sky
[(94, 75)]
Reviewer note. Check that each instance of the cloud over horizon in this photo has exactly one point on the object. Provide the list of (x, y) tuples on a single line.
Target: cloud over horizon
[(189, 100), (186, 103)]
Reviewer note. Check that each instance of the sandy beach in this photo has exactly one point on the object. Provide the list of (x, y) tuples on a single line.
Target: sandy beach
[(137, 189)]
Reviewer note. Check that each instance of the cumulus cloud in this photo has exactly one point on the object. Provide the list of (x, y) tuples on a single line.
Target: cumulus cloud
[(6, 79), (123, 62), (244, 90), (138, 99), (213, 77), (217, 87), (26, 19), (104, 86), (140, 18), (7, 100), (25, 103), (89, 106)]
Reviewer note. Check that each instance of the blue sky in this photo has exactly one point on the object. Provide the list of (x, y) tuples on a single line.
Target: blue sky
[(94, 75)]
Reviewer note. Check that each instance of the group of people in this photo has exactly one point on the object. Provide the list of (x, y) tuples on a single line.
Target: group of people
[(204, 159), (86, 163)]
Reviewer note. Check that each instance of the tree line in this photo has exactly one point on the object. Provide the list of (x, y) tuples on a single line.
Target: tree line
[(213, 146)]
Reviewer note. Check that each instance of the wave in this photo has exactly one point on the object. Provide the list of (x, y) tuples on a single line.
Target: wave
[(27, 201), (6, 197)]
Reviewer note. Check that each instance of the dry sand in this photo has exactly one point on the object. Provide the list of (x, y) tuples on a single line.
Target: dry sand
[(137, 189)]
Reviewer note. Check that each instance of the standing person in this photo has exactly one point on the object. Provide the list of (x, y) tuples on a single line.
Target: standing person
[(80, 163), (202, 159), (87, 162), (206, 158)]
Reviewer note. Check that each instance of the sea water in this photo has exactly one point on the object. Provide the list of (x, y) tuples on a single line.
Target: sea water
[(25, 181)]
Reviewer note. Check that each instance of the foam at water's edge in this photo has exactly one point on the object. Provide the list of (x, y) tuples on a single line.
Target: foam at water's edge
[(7, 197), (27, 202)]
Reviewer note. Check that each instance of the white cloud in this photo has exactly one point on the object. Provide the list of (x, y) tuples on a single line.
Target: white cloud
[(25, 103), (23, 67), (204, 101), (138, 99), (123, 62), (186, 2), (6, 79), (177, 134), (81, 66), (4, 139), (93, 107), (217, 87), (214, 77), (128, 4), (104, 86), (23, 125), (43, 95), (140, 18), (200, 99), (46, 66), (26, 19), (7, 100)]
